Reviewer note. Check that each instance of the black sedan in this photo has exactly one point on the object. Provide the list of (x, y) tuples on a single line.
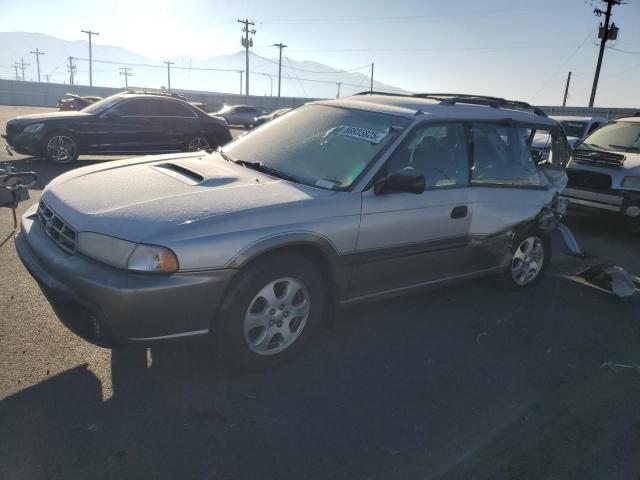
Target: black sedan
[(121, 124)]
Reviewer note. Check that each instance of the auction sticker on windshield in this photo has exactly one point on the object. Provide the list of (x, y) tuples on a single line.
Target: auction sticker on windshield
[(362, 133)]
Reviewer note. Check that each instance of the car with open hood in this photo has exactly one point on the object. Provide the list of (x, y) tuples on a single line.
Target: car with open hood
[(337, 202), (604, 171)]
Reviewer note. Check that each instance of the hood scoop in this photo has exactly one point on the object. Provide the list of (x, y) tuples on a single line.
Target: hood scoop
[(180, 172)]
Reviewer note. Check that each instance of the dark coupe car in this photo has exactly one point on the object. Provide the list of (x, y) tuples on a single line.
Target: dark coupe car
[(121, 124)]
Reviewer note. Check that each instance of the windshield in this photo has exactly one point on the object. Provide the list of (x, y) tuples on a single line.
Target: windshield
[(103, 105), (328, 147), (623, 136), (573, 129)]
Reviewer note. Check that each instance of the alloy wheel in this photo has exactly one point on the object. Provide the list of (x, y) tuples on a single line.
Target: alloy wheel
[(527, 260), (197, 144), (61, 149), (276, 316)]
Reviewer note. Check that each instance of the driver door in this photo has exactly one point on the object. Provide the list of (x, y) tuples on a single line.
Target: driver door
[(410, 239)]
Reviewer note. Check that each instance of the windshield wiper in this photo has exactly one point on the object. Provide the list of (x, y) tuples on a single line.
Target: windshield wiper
[(261, 167), (225, 155)]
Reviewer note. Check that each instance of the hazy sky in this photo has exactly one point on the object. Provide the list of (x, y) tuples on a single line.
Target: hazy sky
[(514, 48)]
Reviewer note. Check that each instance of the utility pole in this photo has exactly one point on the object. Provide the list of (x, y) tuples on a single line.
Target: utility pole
[(246, 43), (169, 75), (15, 66), (126, 73), (47, 77), (566, 90), (72, 70), (240, 72), (90, 33), (338, 94), (22, 67), (37, 53), (280, 46), (605, 34), (371, 87)]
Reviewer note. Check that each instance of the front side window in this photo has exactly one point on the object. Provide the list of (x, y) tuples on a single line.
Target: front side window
[(623, 136), (439, 152), (319, 145), (502, 155)]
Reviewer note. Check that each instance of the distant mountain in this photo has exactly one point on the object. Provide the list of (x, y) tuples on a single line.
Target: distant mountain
[(300, 78)]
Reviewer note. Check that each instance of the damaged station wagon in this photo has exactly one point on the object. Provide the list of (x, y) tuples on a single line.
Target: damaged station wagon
[(336, 202)]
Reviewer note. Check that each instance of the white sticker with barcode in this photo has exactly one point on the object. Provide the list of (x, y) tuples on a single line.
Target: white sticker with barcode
[(362, 133)]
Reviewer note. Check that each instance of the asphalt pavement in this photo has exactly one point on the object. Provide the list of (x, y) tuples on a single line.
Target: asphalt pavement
[(467, 381)]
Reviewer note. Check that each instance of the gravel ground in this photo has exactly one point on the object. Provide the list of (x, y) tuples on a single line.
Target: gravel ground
[(462, 382)]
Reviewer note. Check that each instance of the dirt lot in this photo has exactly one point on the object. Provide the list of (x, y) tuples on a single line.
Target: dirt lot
[(463, 382)]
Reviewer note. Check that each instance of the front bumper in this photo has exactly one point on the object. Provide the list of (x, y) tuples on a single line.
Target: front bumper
[(24, 144), (614, 201), (108, 306)]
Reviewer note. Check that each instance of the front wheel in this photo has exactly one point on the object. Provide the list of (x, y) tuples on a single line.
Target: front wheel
[(61, 148), (530, 254), (270, 312)]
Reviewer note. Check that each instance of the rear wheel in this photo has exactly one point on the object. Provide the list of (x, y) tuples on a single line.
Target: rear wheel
[(197, 143), (270, 312), (530, 255), (61, 148)]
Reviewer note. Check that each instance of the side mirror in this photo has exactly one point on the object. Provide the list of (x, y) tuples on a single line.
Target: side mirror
[(407, 180)]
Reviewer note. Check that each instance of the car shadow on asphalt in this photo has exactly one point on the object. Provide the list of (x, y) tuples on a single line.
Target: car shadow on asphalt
[(434, 385)]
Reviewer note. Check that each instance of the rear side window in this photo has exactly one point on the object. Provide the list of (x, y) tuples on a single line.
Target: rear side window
[(502, 155), (174, 109)]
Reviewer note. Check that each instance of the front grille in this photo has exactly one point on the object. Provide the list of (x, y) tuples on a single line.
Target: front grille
[(598, 158), (57, 229), (588, 180)]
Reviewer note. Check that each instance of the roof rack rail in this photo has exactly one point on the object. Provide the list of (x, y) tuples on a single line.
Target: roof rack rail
[(494, 102), (157, 92), (453, 98)]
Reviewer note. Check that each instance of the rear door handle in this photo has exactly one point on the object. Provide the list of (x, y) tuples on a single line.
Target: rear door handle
[(459, 212)]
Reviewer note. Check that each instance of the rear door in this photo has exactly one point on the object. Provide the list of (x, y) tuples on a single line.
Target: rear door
[(407, 239), (175, 123)]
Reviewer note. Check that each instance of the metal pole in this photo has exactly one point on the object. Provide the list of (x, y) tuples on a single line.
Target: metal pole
[(71, 70), (246, 45), (280, 46), (169, 75), (338, 94), (371, 87), (37, 53), (566, 90), (240, 72), (603, 42), (90, 33)]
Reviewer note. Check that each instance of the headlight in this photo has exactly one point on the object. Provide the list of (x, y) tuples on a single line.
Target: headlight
[(33, 128), (631, 182), (153, 258), (126, 255)]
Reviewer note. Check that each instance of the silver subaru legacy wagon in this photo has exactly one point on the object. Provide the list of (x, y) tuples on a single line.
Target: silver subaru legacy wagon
[(333, 203)]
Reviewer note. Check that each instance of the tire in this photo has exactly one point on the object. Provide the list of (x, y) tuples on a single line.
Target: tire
[(197, 143), (530, 255), (60, 148), (633, 226), (258, 326)]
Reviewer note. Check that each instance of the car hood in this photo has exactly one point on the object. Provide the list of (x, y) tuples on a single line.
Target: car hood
[(27, 119), (631, 165), (144, 199)]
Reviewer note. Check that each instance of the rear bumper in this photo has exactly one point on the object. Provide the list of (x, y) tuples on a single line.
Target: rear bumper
[(110, 307)]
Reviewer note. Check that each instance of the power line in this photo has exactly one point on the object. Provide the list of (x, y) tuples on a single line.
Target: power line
[(311, 71), (304, 91), (22, 67), (623, 51), (435, 49)]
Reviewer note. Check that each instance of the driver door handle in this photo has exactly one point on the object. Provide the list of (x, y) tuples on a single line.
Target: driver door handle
[(459, 212)]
